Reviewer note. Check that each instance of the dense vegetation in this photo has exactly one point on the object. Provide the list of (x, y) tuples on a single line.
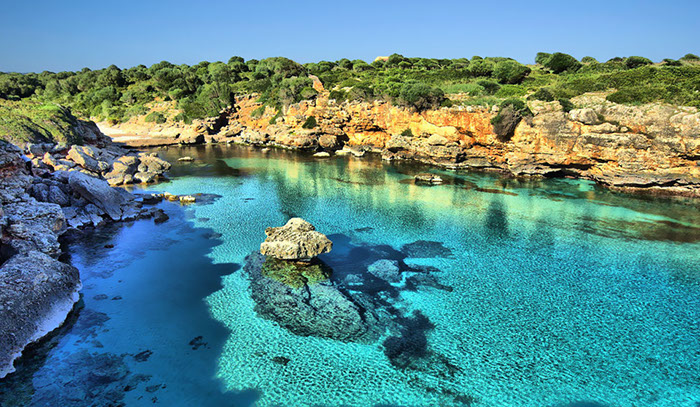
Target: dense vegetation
[(34, 121), (202, 90)]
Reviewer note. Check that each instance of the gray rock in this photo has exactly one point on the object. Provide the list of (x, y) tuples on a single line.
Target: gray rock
[(398, 143), (145, 177), (296, 240), (386, 270), (585, 116), (329, 141), (159, 216), (35, 225), (98, 192), (57, 196), (429, 178), (437, 140), (86, 157), (36, 294), (153, 164)]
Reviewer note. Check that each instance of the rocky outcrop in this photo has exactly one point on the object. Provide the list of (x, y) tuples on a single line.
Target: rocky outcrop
[(112, 163), (428, 178), (653, 148), (112, 201), (296, 240), (36, 293), (36, 290)]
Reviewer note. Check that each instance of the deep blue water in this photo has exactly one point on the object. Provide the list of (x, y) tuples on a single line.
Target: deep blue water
[(532, 293)]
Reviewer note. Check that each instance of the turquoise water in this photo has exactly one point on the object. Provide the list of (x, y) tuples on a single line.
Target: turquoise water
[(541, 293)]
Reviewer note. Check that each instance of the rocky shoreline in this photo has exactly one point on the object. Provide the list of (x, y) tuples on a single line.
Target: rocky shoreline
[(651, 148), (45, 191)]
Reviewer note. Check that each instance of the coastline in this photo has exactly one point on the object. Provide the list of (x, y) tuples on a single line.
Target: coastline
[(650, 149), (69, 187)]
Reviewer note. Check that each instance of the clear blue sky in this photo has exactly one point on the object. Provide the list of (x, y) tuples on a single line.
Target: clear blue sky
[(70, 35)]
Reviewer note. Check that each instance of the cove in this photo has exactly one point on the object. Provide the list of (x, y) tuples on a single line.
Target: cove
[(512, 293)]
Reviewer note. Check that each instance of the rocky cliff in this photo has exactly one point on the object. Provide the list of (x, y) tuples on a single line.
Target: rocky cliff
[(654, 148), (45, 190)]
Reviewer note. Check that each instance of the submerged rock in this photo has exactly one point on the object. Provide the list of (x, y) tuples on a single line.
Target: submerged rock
[(304, 302), (294, 274), (296, 240), (426, 249), (386, 270)]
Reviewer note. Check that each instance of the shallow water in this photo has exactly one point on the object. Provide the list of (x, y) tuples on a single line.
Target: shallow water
[(540, 293)]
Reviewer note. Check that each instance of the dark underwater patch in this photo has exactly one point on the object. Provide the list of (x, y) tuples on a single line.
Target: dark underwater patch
[(425, 249)]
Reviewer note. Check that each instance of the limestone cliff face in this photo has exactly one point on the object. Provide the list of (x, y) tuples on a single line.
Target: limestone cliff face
[(655, 148), (652, 147)]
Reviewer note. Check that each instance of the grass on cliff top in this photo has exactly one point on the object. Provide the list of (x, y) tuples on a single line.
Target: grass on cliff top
[(30, 121)]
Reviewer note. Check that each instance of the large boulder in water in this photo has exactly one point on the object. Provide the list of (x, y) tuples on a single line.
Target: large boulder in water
[(297, 240)]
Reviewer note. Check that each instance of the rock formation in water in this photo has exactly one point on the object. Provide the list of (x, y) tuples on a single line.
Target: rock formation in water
[(302, 299), (296, 240), (65, 189), (652, 147)]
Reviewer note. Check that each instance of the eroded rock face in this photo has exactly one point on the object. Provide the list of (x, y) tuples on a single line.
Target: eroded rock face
[(36, 293), (36, 290), (35, 226), (296, 240), (652, 147)]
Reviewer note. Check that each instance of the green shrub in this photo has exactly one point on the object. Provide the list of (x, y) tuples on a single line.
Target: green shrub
[(273, 119), (541, 57), (690, 57), (671, 62), (420, 96), (510, 72), (181, 117), (480, 67), (407, 133), (637, 94), (560, 62), (589, 60), (544, 94), (566, 104), (257, 112), (405, 65), (308, 93), (310, 123), (635, 62), (472, 89), (155, 117), (490, 87), (337, 95), (510, 91)]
